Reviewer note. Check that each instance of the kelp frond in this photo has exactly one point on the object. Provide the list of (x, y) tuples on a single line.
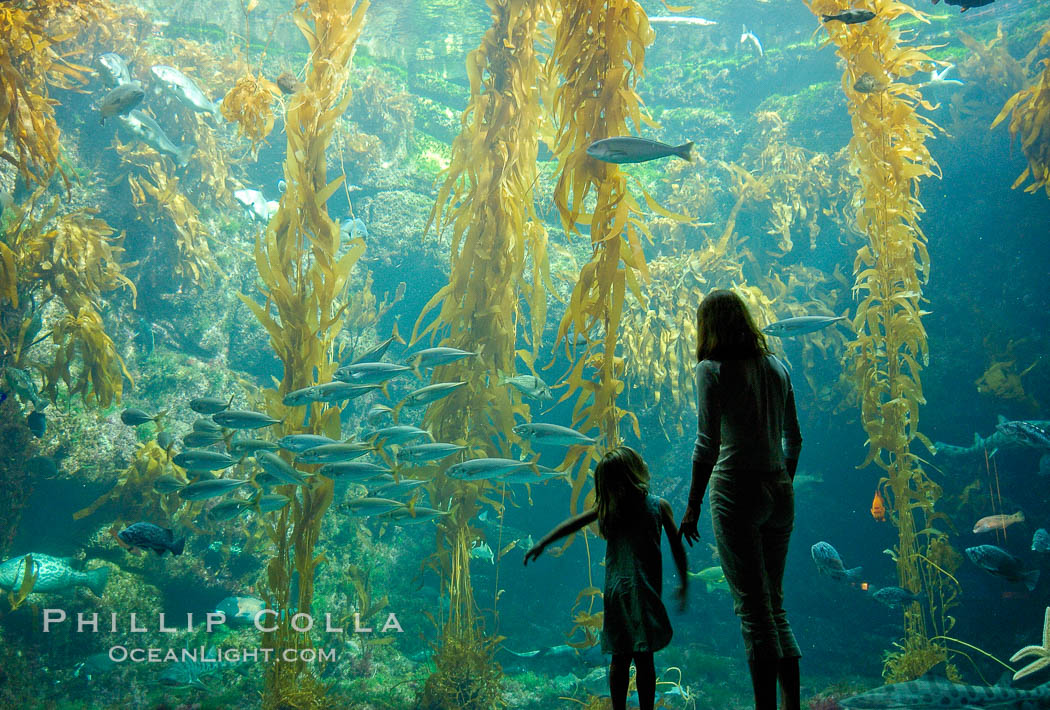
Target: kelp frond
[(1029, 111)]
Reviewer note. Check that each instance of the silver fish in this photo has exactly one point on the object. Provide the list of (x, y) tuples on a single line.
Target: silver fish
[(279, 468), (297, 443), (525, 475), (167, 484), (272, 502), (149, 132), (248, 447), (367, 373), (53, 574), (529, 385), (552, 435), (243, 419), (484, 468), (628, 149), (830, 564), (202, 490), (228, 509), (299, 397), (432, 357), (331, 392), (257, 205), (697, 21), (184, 89), (353, 470), (384, 485), (203, 460), (210, 405), (393, 435), (428, 452), (367, 507), (431, 393), (376, 412), (800, 325), (376, 353), (926, 694), (334, 453), (200, 439), (417, 515)]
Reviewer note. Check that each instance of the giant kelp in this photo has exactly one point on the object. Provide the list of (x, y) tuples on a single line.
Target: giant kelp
[(30, 61), (71, 257), (1029, 111), (889, 156), (305, 277), (486, 199)]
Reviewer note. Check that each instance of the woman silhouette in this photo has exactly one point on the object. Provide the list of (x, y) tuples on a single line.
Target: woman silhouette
[(747, 446)]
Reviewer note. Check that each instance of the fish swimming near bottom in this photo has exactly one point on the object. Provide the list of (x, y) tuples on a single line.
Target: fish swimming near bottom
[(143, 127), (188, 672), (147, 536), (53, 574), (1001, 563), (927, 694)]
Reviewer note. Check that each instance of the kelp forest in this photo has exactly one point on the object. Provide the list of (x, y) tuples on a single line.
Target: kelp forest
[(296, 287)]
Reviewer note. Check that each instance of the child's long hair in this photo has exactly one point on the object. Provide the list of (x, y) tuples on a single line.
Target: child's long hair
[(621, 481)]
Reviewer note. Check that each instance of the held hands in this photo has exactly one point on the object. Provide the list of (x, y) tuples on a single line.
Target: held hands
[(687, 528)]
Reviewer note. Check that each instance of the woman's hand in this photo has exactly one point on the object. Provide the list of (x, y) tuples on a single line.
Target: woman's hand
[(534, 552), (687, 528)]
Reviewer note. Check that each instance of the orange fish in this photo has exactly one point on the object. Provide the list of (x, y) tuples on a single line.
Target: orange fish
[(997, 522), (878, 507)]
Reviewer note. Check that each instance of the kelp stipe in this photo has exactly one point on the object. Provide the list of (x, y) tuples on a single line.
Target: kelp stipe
[(889, 156)]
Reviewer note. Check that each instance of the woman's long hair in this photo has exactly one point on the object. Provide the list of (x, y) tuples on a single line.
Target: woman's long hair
[(621, 481), (725, 329)]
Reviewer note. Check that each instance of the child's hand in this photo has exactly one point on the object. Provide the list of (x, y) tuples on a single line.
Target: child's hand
[(534, 552)]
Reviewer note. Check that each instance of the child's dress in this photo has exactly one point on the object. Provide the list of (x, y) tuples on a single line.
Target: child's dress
[(635, 620)]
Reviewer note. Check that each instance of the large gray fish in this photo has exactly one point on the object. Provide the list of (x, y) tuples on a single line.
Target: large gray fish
[(147, 536), (830, 564), (54, 574), (1001, 563), (628, 149), (203, 460), (114, 69), (243, 419), (121, 100), (149, 132), (930, 694), (184, 89), (202, 490), (552, 435), (800, 325)]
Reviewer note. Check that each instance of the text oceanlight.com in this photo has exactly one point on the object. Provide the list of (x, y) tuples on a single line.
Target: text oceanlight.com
[(123, 654)]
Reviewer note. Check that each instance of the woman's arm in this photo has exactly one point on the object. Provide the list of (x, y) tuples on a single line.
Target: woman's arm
[(677, 550), (563, 529), (792, 435), (708, 443)]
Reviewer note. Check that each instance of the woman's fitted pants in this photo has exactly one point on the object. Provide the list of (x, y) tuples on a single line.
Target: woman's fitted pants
[(753, 514)]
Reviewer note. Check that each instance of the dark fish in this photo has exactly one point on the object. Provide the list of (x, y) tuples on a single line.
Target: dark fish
[(850, 17), (206, 425), (167, 484), (114, 69), (288, 83), (42, 466), (202, 490), (966, 4), (200, 439), (147, 536), (628, 149), (37, 423), (247, 447), (210, 405), (121, 100), (1001, 563), (867, 84), (830, 564), (895, 597), (203, 460), (135, 417), (165, 439)]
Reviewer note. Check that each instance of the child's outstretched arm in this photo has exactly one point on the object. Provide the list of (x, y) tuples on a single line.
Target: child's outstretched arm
[(563, 529), (677, 550)]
